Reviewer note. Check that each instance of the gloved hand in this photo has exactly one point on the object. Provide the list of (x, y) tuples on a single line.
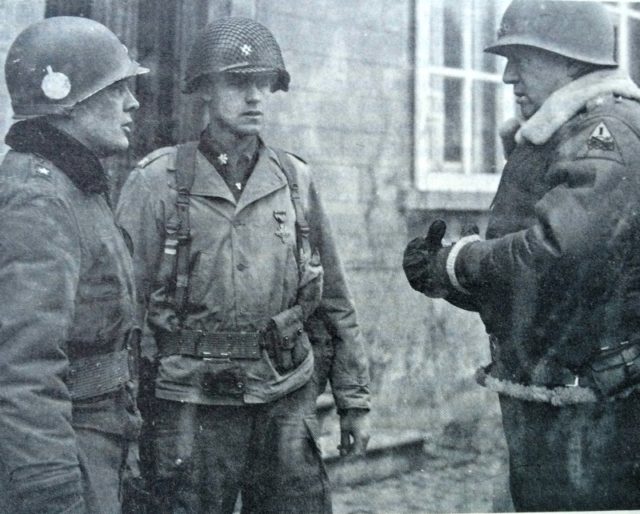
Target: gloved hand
[(355, 430), (425, 260)]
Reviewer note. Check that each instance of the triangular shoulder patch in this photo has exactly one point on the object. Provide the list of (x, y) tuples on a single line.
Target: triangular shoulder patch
[(601, 138)]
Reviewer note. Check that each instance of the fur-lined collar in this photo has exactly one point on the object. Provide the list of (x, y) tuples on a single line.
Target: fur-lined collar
[(74, 159), (567, 101)]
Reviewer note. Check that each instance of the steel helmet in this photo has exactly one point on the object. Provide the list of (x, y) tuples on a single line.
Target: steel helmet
[(579, 30), (235, 45), (58, 62)]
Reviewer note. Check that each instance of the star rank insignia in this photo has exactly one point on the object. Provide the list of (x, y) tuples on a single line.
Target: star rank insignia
[(246, 49), (223, 158), (41, 170), (601, 139)]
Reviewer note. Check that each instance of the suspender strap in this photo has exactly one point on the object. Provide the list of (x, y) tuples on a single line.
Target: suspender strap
[(185, 175), (97, 375), (302, 226)]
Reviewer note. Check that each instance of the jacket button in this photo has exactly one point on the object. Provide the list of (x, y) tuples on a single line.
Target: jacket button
[(241, 267)]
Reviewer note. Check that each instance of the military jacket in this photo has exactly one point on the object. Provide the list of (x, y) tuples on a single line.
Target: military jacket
[(66, 279), (243, 272), (558, 275)]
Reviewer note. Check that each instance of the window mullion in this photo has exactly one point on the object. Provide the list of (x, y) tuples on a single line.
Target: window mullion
[(623, 36), (467, 88)]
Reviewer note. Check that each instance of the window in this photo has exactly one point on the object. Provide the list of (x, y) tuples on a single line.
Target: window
[(460, 99), (626, 16)]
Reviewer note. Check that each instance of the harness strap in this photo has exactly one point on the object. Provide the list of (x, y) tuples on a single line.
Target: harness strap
[(214, 345), (185, 175), (302, 225), (98, 374)]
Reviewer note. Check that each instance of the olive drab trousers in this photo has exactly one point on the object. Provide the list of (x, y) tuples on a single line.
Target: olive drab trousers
[(206, 454)]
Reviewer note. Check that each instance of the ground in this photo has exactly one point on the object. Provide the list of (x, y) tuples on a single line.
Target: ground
[(464, 470)]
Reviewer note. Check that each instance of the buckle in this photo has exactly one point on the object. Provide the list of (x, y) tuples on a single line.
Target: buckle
[(618, 345), (196, 339), (576, 382)]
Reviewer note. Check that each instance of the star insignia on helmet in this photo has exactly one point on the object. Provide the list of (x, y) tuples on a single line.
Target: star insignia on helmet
[(223, 158), (41, 170), (246, 49)]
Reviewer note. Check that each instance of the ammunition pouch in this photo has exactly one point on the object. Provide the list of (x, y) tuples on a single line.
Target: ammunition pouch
[(614, 368), (284, 340), (99, 374)]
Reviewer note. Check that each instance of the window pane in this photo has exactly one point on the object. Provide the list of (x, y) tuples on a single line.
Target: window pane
[(634, 49), (445, 28), (486, 117), (453, 120), (452, 36), (486, 21)]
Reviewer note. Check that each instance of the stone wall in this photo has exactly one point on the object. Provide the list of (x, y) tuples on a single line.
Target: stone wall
[(349, 114)]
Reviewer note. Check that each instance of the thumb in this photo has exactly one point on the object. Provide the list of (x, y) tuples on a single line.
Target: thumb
[(435, 234)]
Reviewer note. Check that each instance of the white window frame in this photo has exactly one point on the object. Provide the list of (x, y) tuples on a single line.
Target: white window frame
[(438, 177), (623, 14)]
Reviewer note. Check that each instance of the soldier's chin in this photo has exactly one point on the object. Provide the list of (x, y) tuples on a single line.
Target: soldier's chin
[(114, 148), (249, 130), (527, 110)]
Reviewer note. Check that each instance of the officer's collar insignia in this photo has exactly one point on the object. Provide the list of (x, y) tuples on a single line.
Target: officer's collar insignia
[(223, 158), (601, 138), (246, 49), (55, 85), (75, 160)]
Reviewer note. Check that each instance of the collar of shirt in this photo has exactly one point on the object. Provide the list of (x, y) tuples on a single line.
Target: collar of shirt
[(234, 163)]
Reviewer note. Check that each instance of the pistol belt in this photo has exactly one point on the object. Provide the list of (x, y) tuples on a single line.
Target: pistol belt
[(211, 345)]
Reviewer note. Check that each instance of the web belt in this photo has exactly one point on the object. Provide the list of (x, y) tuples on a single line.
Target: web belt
[(98, 375), (213, 345)]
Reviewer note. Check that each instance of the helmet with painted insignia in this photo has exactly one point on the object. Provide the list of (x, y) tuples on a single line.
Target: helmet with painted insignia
[(582, 31), (58, 62), (235, 45)]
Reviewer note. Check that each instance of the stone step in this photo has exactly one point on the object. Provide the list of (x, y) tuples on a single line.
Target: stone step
[(389, 453)]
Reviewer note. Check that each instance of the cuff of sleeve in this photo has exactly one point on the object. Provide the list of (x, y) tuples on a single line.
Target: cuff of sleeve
[(451, 262), (355, 397)]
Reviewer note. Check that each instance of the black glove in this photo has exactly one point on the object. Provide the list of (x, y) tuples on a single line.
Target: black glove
[(425, 260)]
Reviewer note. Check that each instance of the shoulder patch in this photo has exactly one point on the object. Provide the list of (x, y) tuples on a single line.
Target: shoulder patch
[(601, 138), (600, 143), (156, 154)]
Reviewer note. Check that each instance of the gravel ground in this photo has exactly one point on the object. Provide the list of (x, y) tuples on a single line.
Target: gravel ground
[(464, 470)]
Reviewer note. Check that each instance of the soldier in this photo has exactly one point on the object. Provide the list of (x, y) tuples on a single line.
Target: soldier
[(234, 258), (556, 281), (67, 322)]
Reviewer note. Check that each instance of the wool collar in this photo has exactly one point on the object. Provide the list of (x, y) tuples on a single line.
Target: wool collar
[(567, 101), (74, 159)]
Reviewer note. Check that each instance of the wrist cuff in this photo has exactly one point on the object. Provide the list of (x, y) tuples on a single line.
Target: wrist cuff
[(451, 262)]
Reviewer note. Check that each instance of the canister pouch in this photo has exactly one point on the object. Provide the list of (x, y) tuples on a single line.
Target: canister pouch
[(285, 338), (615, 368)]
